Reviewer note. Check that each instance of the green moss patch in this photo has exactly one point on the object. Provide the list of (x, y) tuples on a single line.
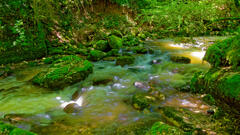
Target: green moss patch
[(63, 72), (160, 128)]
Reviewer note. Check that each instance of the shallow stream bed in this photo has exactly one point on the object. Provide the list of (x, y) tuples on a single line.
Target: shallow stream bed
[(103, 99)]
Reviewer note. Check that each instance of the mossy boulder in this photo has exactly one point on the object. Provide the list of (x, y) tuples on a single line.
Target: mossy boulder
[(222, 80), (180, 59), (223, 84), (96, 55), (115, 42), (101, 45), (224, 53), (142, 101), (63, 72), (125, 60), (160, 128), (113, 52)]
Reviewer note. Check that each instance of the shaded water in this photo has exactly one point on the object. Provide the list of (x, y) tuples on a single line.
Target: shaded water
[(103, 103)]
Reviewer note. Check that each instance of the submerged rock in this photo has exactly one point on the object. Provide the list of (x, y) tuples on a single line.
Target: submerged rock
[(141, 85), (180, 59), (211, 112), (76, 95), (158, 95), (63, 72), (125, 60), (141, 50), (102, 81), (142, 101), (157, 61), (72, 108)]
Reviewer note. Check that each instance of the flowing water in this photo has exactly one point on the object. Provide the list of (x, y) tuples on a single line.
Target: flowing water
[(102, 103)]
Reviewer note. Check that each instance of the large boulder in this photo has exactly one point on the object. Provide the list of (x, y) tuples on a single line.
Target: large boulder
[(63, 72)]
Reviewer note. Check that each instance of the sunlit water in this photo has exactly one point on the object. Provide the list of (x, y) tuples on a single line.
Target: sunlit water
[(102, 107)]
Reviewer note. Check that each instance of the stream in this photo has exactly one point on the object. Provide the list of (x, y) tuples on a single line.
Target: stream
[(101, 103)]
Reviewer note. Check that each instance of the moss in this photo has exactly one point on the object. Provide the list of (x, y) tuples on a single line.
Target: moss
[(142, 101), (139, 49), (125, 60), (209, 99), (15, 54), (180, 59), (113, 52), (115, 42), (6, 129), (175, 117), (160, 128), (5, 71), (117, 33), (196, 83), (18, 131), (83, 52), (101, 45), (225, 53), (223, 84), (96, 55), (55, 50), (139, 127), (229, 85), (63, 72), (131, 40)]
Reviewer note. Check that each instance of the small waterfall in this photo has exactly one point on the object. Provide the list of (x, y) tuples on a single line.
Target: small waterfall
[(79, 102)]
